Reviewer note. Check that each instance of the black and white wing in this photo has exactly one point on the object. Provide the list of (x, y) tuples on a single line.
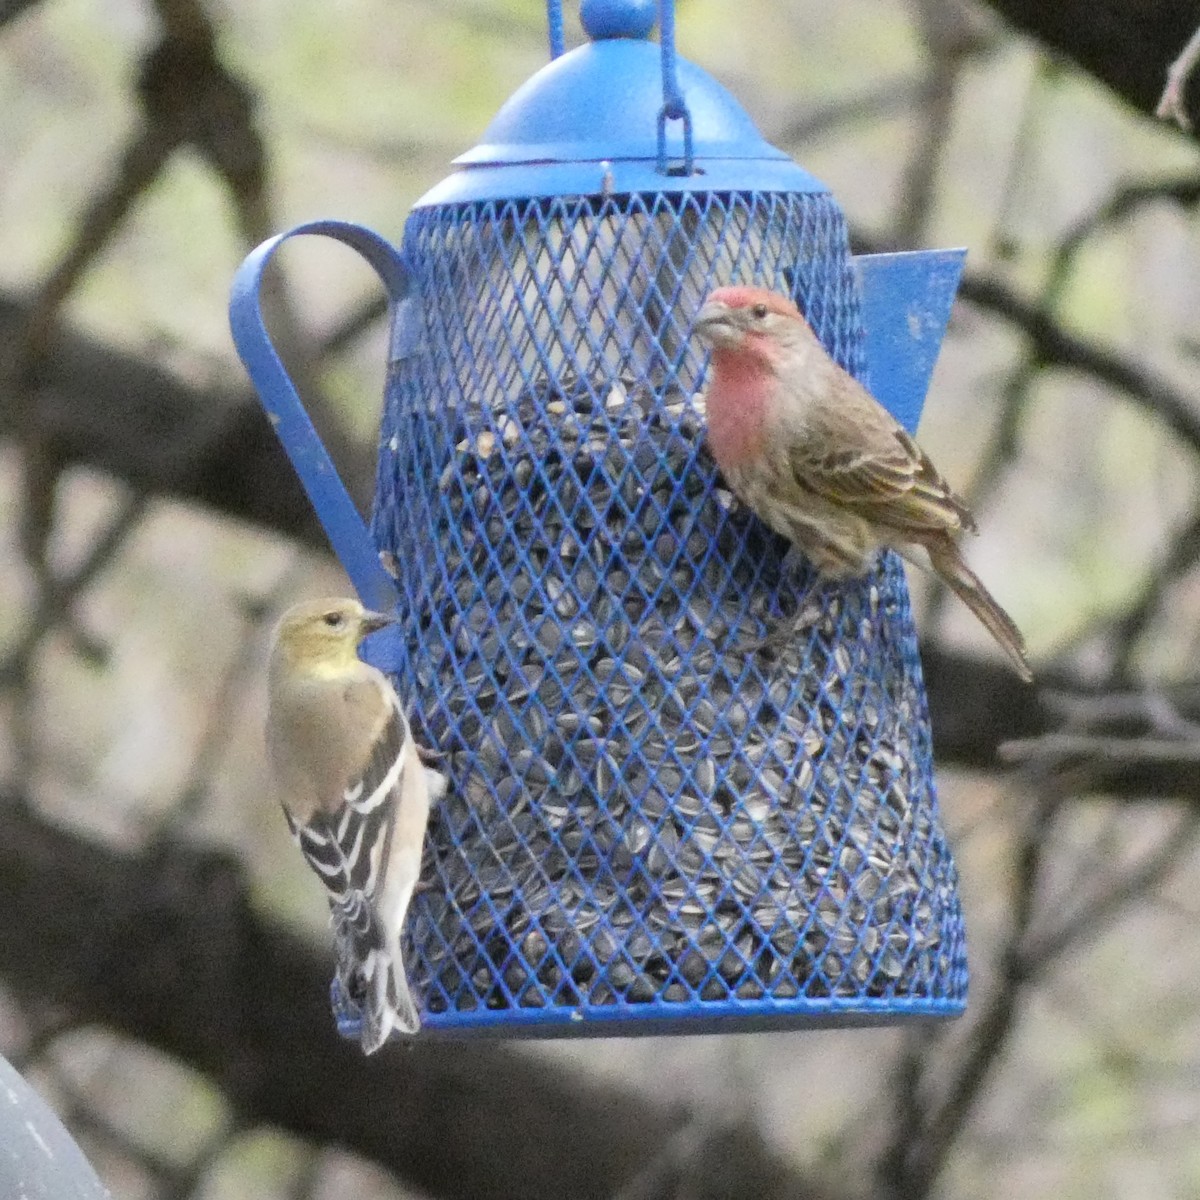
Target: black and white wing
[(346, 845), (358, 850)]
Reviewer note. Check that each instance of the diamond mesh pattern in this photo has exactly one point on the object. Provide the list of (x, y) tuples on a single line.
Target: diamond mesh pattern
[(689, 780)]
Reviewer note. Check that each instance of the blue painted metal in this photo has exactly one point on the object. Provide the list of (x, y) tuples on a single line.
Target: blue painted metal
[(524, 181), (41, 1160), (906, 301), (653, 823), (674, 106), (554, 28), (660, 1018), (602, 19), (340, 519), (601, 102), (600, 109)]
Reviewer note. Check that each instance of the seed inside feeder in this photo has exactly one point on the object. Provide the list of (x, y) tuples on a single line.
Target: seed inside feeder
[(651, 801)]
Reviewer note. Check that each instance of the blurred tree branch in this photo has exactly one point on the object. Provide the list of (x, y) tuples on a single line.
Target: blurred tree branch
[(11, 9), (1127, 44), (1172, 105), (1048, 343), (1056, 346), (116, 412), (952, 37), (164, 944), (936, 1094)]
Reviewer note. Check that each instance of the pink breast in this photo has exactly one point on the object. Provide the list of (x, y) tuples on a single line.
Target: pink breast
[(738, 387)]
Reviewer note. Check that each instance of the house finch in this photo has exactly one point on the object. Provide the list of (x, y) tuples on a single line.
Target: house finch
[(355, 794), (820, 460)]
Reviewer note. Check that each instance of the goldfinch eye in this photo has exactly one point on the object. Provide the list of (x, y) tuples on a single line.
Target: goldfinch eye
[(759, 312), (334, 620)]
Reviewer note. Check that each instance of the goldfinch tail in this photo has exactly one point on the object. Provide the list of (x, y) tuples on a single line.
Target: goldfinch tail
[(372, 973), (386, 1001)]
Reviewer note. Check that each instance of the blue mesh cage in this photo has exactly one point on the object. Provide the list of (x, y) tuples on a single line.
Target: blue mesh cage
[(691, 784), (661, 808)]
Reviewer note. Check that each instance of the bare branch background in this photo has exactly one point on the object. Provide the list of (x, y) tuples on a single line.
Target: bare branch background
[(163, 959)]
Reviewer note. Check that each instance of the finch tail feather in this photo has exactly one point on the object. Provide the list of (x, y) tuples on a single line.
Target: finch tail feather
[(387, 1004), (373, 973), (968, 587)]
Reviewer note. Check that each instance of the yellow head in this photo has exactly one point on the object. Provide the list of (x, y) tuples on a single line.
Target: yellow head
[(321, 637)]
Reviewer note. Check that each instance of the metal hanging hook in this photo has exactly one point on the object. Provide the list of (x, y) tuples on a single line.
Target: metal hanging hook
[(673, 108)]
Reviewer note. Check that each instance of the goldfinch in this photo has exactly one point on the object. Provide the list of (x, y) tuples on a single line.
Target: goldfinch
[(356, 797)]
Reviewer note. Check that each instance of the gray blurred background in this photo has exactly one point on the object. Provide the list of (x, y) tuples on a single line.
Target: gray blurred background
[(163, 954)]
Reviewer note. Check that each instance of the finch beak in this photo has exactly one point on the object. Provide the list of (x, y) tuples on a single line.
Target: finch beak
[(370, 622), (715, 323)]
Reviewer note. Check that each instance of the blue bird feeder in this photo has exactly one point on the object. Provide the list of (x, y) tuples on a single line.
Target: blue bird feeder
[(662, 815)]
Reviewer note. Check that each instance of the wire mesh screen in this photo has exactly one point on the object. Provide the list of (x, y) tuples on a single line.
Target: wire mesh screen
[(688, 779)]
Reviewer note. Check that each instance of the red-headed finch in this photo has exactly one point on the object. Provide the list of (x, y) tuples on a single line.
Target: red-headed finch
[(821, 461), (356, 797)]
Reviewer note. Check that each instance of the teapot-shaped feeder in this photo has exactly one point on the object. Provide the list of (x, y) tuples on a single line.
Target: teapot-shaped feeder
[(654, 823)]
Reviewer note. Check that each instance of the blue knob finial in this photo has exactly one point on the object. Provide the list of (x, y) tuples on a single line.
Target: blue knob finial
[(603, 19)]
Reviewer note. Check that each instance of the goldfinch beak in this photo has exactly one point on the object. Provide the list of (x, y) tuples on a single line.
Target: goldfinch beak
[(370, 622)]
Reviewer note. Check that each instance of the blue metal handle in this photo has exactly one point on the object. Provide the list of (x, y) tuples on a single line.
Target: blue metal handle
[(338, 515)]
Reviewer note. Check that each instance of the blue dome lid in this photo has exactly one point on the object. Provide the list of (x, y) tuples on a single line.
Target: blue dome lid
[(588, 123)]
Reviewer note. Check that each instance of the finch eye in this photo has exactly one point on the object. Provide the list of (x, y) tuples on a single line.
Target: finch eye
[(759, 312), (334, 620)]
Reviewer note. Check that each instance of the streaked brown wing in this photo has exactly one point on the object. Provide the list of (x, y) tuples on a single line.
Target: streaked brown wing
[(884, 476)]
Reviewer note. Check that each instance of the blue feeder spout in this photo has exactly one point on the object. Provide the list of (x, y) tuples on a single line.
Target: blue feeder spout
[(660, 817)]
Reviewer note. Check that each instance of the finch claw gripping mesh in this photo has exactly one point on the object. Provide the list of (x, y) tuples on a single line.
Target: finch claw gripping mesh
[(691, 784)]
